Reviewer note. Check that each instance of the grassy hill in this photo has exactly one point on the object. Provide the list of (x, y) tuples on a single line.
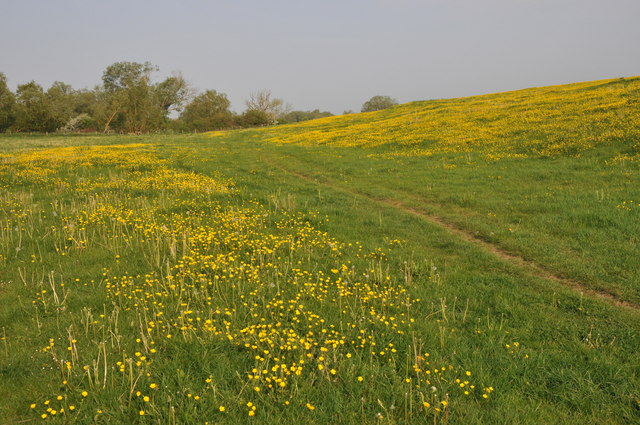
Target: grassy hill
[(547, 121)]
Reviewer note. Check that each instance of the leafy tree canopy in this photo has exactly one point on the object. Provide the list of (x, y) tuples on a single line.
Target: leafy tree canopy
[(32, 109), (7, 104), (123, 75), (208, 111), (254, 118), (377, 103), (173, 93)]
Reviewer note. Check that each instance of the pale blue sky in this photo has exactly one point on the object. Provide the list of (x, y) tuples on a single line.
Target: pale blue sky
[(332, 55)]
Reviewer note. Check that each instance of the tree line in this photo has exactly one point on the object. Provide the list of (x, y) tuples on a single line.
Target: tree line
[(129, 101)]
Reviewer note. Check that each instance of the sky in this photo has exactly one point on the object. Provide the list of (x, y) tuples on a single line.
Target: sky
[(331, 55)]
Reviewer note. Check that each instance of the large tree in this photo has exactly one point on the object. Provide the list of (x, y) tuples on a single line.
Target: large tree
[(7, 104), (126, 103), (125, 75), (173, 93), (33, 112), (132, 103), (208, 111)]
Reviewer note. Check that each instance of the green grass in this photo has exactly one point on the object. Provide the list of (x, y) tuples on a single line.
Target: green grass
[(551, 353), (561, 212)]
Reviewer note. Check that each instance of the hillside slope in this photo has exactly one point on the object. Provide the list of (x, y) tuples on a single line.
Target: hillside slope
[(547, 121)]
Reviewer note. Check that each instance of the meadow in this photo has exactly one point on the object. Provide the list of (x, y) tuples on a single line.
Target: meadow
[(442, 262)]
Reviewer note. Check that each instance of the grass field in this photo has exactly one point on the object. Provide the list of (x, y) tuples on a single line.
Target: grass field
[(463, 261)]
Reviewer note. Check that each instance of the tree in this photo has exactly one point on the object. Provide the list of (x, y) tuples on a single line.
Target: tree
[(59, 100), (85, 102), (125, 75), (129, 100), (7, 104), (262, 101), (32, 109), (377, 103), (173, 93), (141, 110), (208, 111), (254, 118)]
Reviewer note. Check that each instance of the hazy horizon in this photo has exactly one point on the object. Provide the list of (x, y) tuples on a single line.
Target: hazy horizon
[(329, 56)]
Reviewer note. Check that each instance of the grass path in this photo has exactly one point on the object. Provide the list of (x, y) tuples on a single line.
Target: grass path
[(530, 267)]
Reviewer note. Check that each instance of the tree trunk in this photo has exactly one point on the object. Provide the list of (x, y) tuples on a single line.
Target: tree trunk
[(106, 126)]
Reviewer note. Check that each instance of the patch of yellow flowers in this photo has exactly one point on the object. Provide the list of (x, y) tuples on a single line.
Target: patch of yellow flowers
[(269, 288), (546, 121)]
